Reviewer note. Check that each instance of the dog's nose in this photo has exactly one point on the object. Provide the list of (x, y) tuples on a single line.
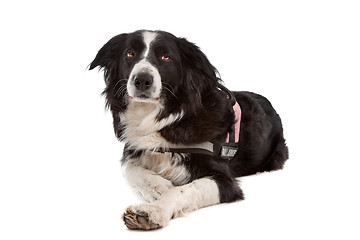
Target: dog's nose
[(143, 81)]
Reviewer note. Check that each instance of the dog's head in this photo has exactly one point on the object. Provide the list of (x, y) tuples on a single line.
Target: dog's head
[(155, 67)]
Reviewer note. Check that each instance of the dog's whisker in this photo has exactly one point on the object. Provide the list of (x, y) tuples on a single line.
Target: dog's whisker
[(119, 81), (170, 90), (120, 90)]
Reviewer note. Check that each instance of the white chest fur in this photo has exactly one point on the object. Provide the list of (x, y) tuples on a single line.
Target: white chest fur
[(141, 126)]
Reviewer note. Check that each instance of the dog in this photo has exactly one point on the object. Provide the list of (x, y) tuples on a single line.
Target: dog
[(186, 136)]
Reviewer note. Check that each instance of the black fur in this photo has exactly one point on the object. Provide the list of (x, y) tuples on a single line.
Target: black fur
[(190, 84)]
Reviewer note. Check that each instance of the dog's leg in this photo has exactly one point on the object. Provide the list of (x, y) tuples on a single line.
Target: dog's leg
[(148, 183), (175, 202)]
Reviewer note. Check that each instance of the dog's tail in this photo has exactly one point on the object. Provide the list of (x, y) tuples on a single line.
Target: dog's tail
[(278, 157)]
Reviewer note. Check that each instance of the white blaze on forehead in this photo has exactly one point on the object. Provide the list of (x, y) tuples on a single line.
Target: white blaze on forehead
[(148, 38), (144, 66)]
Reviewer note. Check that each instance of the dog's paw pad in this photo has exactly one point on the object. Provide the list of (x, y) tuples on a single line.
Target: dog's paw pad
[(139, 220)]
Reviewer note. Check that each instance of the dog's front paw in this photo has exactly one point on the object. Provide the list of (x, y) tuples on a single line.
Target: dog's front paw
[(145, 217)]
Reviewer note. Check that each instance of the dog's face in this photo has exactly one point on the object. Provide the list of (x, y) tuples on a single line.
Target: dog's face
[(150, 64), (155, 67)]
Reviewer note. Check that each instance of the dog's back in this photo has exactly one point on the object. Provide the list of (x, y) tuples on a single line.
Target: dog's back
[(262, 145)]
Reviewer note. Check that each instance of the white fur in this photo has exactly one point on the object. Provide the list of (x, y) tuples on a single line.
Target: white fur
[(148, 37), (155, 173), (150, 185), (179, 200), (141, 127), (166, 165)]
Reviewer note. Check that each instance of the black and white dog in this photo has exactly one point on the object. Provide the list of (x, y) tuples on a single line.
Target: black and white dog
[(184, 146)]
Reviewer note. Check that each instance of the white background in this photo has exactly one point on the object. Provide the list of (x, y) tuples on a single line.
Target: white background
[(60, 174)]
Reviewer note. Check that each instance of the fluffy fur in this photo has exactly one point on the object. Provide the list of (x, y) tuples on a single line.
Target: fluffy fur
[(163, 92)]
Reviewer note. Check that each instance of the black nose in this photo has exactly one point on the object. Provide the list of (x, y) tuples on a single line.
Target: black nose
[(143, 81)]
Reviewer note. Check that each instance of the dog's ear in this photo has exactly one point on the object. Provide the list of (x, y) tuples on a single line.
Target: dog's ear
[(195, 59), (199, 73), (108, 53)]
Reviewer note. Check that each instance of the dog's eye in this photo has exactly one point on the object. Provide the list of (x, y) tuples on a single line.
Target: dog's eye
[(130, 54), (165, 58)]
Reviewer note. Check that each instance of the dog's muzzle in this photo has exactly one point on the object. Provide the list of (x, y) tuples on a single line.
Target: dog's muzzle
[(144, 82)]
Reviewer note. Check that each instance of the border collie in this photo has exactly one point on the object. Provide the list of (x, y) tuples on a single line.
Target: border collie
[(186, 136)]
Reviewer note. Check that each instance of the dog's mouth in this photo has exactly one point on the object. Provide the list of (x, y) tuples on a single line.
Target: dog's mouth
[(143, 98)]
